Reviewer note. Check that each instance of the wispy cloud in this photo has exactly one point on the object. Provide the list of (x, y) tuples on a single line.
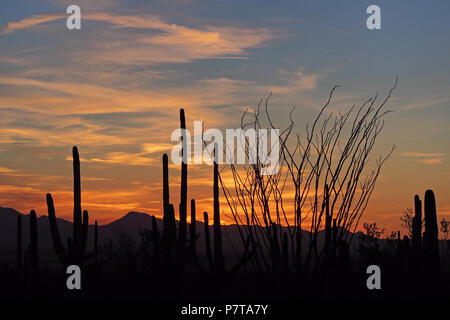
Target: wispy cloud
[(424, 104), (162, 41), (423, 154), (426, 158), (432, 160), (31, 22), (144, 158), (297, 81)]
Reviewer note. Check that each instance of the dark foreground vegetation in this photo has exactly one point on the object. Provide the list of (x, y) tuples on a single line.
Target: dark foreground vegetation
[(268, 257)]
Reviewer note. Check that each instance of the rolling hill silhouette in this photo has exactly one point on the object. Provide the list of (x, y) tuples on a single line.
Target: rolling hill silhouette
[(131, 224)]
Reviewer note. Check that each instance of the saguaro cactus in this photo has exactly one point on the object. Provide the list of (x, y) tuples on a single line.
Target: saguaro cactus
[(193, 230), (183, 188), (34, 251), (216, 261), (430, 236), (417, 223), (218, 253), (74, 254)]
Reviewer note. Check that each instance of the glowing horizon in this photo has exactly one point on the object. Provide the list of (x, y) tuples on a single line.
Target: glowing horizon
[(115, 87)]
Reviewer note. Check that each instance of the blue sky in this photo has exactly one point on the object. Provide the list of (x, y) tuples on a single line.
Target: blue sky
[(114, 87)]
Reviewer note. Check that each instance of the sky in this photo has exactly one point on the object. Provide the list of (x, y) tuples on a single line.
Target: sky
[(114, 89)]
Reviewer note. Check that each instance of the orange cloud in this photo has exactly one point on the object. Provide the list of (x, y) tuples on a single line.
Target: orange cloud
[(432, 160), (167, 42), (426, 158), (30, 22)]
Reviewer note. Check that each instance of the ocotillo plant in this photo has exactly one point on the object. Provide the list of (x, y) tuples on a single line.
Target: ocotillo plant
[(416, 231), (430, 236), (74, 254), (328, 219)]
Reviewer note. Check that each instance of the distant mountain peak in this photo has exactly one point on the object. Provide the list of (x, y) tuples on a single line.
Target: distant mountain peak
[(135, 214), (9, 211)]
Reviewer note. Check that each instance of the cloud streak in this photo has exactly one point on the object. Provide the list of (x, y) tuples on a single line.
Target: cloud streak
[(161, 41), (426, 158)]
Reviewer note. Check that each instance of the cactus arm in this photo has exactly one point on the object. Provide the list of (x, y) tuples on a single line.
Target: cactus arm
[(56, 239)]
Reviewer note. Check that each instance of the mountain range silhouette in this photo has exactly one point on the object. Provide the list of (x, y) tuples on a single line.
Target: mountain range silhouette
[(131, 224)]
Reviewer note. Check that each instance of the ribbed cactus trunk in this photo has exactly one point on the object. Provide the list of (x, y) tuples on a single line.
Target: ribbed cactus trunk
[(430, 237), (165, 184), (183, 190), (417, 224), (218, 253), (167, 217), (166, 203), (19, 245), (77, 221)]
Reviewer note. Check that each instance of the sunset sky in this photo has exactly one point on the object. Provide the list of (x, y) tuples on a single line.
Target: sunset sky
[(114, 89)]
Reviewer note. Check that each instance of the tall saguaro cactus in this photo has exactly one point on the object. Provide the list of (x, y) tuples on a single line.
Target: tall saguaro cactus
[(417, 223), (430, 236), (183, 189), (218, 253), (74, 254), (34, 251)]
